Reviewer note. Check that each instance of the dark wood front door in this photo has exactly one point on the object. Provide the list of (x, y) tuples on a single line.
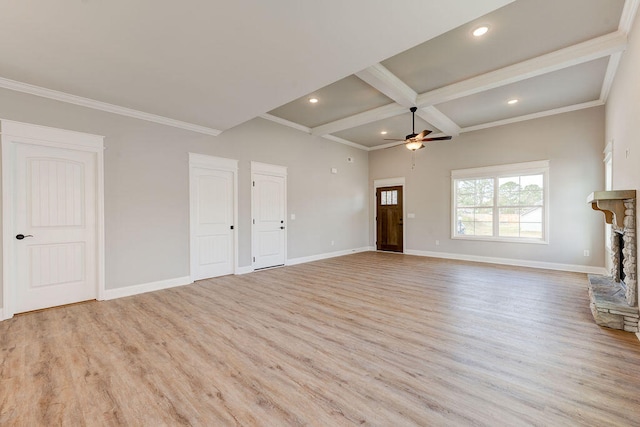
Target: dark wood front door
[(389, 219)]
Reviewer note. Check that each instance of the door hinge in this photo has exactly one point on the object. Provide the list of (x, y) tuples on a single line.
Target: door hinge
[(254, 183), (254, 221), (254, 259)]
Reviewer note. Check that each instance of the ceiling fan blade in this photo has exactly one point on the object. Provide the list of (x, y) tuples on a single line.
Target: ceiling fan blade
[(388, 139), (422, 134), (439, 138)]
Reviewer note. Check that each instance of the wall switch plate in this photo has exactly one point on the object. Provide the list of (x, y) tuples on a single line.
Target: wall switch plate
[(586, 252), (411, 215), (334, 170), (293, 216), (350, 159)]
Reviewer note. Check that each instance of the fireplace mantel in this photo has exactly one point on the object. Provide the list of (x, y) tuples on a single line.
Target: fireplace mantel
[(611, 203)]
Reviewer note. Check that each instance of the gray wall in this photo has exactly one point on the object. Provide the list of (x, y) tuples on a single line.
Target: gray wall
[(147, 186), (623, 116), (571, 141)]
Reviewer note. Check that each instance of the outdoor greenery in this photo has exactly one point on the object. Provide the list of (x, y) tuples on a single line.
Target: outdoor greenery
[(518, 204)]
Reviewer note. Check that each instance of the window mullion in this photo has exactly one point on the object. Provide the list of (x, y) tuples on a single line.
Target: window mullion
[(496, 214)]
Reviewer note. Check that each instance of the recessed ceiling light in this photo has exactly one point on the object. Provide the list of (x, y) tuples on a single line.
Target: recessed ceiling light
[(384, 132), (313, 100), (480, 31), (512, 101)]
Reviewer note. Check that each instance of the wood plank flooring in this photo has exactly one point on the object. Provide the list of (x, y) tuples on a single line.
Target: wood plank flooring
[(368, 339)]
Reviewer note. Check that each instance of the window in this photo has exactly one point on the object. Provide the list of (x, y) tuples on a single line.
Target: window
[(389, 197), (505, 203)]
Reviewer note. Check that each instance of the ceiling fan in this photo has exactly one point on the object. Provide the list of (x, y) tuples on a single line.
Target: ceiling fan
[(414, 141)]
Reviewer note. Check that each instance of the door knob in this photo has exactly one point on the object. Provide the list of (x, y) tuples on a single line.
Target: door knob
[(22, 236)]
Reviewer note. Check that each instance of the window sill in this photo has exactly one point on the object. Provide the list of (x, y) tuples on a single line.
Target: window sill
[(501, 239)]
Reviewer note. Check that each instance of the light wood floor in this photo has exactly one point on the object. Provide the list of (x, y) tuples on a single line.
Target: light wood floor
[(367, 339)]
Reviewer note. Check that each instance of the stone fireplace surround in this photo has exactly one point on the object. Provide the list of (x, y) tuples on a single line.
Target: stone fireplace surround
[(614, 302)]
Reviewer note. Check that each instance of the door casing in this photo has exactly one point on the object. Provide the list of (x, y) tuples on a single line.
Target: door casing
[(390, 182), (13, 133)]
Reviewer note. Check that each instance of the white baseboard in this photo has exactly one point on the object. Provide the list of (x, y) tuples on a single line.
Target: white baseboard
[(515, 262), (128, 291), (244, 270), (302, 260)]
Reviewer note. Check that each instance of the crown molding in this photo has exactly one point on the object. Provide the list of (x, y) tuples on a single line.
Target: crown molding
[(533, 116), (285, 122), (346, 142), (103, 106)]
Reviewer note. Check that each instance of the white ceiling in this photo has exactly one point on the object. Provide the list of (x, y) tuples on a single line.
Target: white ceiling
[(209, 65), (552, 55)]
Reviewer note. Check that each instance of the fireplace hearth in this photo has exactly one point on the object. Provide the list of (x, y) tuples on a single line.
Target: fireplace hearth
[(614, 298)]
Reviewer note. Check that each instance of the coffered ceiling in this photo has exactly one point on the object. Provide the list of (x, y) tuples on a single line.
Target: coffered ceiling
[(210, 65), (551, 56)]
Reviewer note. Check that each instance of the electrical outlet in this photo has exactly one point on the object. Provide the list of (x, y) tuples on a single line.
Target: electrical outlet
[(586, 252), (437, 242), (333, 243)]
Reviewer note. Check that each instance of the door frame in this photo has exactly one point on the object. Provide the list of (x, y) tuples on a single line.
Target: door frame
[(390, 182), (54, 138), (204, 161), (273, 170)]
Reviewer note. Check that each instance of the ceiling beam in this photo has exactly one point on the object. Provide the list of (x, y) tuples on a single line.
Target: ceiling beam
[(376, 114), (389, 84), (628, 15), (590, 50), (438, 119), (574, 55)]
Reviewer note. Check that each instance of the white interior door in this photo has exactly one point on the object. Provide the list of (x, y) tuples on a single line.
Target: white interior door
[(269, 220), (55, 209), (212, 221)]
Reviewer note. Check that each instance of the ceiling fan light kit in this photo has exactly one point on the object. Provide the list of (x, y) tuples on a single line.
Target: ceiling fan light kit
[(414, 141)]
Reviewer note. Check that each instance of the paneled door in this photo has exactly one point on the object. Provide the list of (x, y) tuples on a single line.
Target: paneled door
[(389, 216), (212, 220), (269, 222), (54, 227)]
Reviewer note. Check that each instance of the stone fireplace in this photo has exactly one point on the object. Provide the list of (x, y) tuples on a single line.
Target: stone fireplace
[(614, 298)]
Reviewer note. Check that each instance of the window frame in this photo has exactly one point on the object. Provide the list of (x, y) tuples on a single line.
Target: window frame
[(495, 173)]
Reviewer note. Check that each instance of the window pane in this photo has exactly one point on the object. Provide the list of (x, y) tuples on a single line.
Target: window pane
[(474, 192), (531, 198), (394, 197), (531, 223), (383, 198)]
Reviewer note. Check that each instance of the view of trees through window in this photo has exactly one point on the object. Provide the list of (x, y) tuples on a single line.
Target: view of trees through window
[(500, 207)]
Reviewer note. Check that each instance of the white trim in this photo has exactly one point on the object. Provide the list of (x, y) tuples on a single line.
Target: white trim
[(580, 53), (380, 113), (2, 315), (495, 172), (268, 169), (437, 118), (628, 15), (48, 137), (510, 261), (244, 270), (302, 260), (345, 142), (501, 170), (607, 82), (533, 116), (383, 80), (204, 161), (285, 122), (103, 106), (142, 288), (390, 182)]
